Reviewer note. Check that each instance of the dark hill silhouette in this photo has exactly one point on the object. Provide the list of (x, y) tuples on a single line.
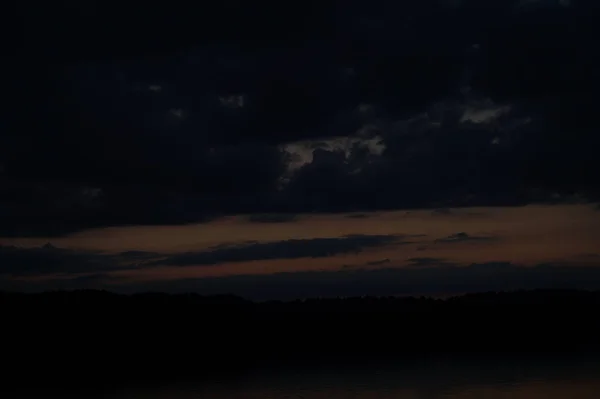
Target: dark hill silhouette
[(104, 337)]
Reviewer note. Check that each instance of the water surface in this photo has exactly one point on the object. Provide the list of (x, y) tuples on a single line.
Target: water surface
[(546, 378)]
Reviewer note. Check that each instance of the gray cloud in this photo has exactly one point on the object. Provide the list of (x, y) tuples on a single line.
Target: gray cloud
[(588, 256), (464, 237), (424, 261), (428, 276), (15, 261), (455, 212), (289, 249), (138, 255), (273, 218), (442, 211), (444, 279), (359, 215), (378, 262)]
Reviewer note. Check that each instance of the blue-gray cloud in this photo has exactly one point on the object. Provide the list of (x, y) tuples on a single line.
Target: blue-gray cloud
[(464, 237), (15, 261), (273, 218), (378, 262), (443, 279), (427, 261), (288, 249), (359, 215), (424, 276)]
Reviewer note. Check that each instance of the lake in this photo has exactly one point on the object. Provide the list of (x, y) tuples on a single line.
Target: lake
[(542, 377)]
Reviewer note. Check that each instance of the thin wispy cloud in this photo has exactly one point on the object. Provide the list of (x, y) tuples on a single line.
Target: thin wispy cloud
[(448, 279), (464, 237), (288, 249)]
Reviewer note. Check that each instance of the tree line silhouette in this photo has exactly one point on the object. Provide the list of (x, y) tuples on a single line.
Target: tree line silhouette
[(102, 336)]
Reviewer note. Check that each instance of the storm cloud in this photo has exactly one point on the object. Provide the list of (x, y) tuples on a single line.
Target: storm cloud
[(332, 107)]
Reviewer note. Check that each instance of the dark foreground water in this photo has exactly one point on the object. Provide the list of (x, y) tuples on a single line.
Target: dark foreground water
[(516, 378)]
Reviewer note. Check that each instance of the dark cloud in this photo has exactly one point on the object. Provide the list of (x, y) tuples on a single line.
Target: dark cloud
[(359, 215), (178, 113), (15, 261), (424, 261), (445, 279), (92, 281), (378, 262), (427, 276), (455, 212), (55, 209), (463, 237), (276, 218), (588, 256), (138, 255), (289, 249), (442, 211)]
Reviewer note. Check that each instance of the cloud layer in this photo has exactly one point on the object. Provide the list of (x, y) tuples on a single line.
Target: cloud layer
[(289, 249), (18, 262), (47, 260), (353, 106), (424, 278)]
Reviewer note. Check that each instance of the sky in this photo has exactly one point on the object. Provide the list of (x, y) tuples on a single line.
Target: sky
[(317, 149)]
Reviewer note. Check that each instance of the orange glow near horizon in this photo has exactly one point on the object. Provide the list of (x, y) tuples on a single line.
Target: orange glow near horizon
[(526, 235)]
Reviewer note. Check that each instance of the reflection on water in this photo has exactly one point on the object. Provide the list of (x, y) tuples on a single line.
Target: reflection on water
[(565, 378)]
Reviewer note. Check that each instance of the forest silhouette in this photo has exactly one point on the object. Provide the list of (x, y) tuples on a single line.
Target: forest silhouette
[(105, 337)]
